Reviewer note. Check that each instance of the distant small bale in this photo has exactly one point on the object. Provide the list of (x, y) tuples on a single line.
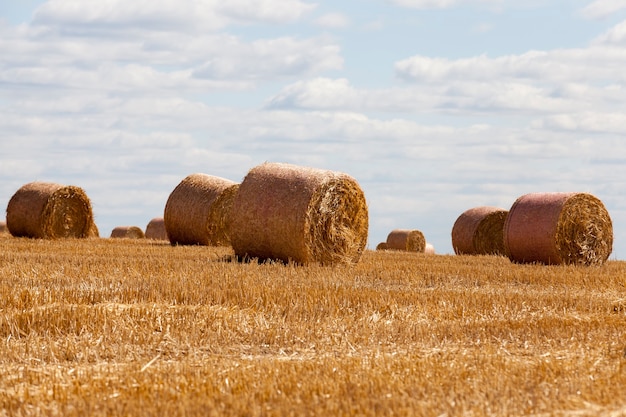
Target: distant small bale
[(480, 231), (127, 232), (381, 246), (197, 211), (558, 228), (3, 228), (299, 214), (410, 240), (429, 249), (155, 229), (47, 210)]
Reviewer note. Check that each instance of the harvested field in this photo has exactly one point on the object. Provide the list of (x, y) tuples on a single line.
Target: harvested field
[(117, 327)]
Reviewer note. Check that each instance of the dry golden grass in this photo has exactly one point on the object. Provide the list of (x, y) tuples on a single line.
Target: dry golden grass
[(106, 327)]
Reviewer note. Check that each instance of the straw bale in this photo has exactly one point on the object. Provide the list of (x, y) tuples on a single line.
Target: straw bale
[(479, 231), (128, 232), (381, 246), (155, 229), (558, 228), (429, 249), (197, 211), (3, 228), (48, 210), (411, 240), (93, 231), (299, 214)]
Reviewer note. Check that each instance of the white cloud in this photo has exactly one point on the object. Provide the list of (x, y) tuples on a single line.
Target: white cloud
[(600, 9), (333, 21), (170, 15), (440, 4)]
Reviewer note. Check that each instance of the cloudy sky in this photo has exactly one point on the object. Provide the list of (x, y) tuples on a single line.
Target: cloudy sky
[(434, 106)]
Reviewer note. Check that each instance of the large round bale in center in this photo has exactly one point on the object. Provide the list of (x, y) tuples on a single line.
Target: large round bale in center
[(479, 231), (48, 210), (558, 228), (197, 211), (299, 214), (411, 240)]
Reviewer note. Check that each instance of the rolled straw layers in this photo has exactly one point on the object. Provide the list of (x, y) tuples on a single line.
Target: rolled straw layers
[(410, 240), (299, 214), (197, 211), (155, 229), (558, 228), (479, 231), (128, 232), (48, 210)]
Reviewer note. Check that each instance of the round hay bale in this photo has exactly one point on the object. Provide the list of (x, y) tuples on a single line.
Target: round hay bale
[(156, 229), (407, 240), (93, 231), (197, 212), (558, 228), (429, 249), (3, 228), (48, 211), (479, 231), (128, 232), (381, 246), (304, 215)]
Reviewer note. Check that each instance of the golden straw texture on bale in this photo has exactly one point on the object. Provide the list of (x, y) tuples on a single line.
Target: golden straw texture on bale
[(407, 240), (479, 231), (558, 228), (48, 211), (197, 212), (299, 214), (129, 232), (156, 229)]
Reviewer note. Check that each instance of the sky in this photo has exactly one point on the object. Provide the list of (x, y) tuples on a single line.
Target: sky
[(433, 106)]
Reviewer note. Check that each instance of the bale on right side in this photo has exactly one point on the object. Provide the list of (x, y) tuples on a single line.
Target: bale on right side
[(558, 228), (411, 240), (479, 231)]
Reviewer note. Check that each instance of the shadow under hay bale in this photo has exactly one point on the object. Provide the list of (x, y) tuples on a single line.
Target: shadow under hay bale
[(155, 229), (410, 240), (48, 211), (558, 228), (128, 232), (298, 214), (480, 231), (197, 212)]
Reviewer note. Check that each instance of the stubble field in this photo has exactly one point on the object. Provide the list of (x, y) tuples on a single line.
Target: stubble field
[(118, 327)]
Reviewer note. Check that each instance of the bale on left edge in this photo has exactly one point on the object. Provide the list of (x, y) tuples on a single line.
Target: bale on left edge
[(48, 210)]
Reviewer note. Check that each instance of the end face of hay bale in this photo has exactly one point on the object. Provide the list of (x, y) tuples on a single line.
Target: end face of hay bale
[(128, 232), (49, 211), (299, 214), (411, 240), (155, 229), (559, 228), (197, 211), (480, 231)]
